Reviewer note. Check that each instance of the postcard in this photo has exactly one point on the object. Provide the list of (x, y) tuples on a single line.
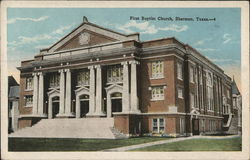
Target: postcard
[(125, 80)]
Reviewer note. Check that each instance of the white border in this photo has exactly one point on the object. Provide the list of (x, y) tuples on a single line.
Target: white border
[(129, 155)]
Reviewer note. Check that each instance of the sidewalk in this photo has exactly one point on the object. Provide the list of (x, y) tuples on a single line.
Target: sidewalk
[(132, 147)]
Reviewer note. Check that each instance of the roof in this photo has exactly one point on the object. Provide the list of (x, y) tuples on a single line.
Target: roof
[(235, 89), (14, 92), (12, 81)]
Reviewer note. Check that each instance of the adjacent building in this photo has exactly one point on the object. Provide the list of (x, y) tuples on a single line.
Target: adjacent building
[(13, 104), (160, 86)]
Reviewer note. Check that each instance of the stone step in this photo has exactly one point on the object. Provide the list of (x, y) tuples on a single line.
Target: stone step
[(100, 128)]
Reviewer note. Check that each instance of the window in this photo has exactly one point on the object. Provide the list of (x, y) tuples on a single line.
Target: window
[(180, 93), (114, 74), (203, 125), (200, 74), (210, 91), (228, 93), (29, 83), (191, 74), (182, 125), (54, 81), (28, 101), (179, 71), (157, 69), (83, 78), (158, 125), (158, 93), (191, 100)]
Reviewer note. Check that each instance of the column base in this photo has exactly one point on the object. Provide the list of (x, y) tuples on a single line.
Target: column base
[(65, 115), (96, 115)]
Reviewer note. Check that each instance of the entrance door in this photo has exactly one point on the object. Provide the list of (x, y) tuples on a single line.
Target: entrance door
[(55, 109), (195, 126), (84, 108), (117, 105), (84, 105)]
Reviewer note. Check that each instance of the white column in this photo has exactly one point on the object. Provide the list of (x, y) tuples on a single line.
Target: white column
[(125, 89), (41, 94), (62, 92), (109, 114), (92, 107), (99, 109), (77, 107), (68, 93), (134, 98), (35, 93), (50, 108)]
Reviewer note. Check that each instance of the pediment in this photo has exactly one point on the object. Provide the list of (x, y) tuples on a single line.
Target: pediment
[(53, 93), (88, 34), (82, 90), (114, 88)]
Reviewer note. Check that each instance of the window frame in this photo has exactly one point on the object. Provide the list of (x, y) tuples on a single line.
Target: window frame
[(157, 75), (161, 95), (191, 74), (192, 100), (178, 95), (30, 104), (113, 69), (55, 80), (179, 71), (182, 125), (158, 125), (81, 79), (29, 82)]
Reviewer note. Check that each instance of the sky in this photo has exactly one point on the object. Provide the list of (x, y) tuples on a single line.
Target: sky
[(30, 29)]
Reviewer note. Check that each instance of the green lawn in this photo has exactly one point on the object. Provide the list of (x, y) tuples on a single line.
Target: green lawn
[(232, 144), (68, 144)]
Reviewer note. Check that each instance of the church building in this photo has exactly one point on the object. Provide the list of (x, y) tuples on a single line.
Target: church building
[(154, 87)]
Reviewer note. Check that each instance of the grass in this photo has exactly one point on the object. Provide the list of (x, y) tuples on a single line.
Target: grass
[(70, 144), (232, 144)]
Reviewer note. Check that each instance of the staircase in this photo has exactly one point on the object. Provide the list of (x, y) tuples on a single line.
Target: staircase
[(233, 128), (96, 128)]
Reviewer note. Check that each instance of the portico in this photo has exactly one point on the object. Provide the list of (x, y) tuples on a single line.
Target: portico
[(98, 87)]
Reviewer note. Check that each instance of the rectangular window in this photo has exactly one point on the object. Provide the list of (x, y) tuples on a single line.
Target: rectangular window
[(228, 94), (157, 69), (83, 78), (182, 125), (200, 79), (155, 125), (115, 74), (179, 71), (54, 80), (180, 93), (29, 83), (203, 125), (191, 74), (157, 93), (28, 101), (191, 100), (158, 125)]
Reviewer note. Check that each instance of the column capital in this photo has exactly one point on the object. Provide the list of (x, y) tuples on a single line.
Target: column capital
[(134, 62), (98, 66), (67, 70), (34, 74), (61, 70), (124, 63), (40, 73), (91, 67)]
